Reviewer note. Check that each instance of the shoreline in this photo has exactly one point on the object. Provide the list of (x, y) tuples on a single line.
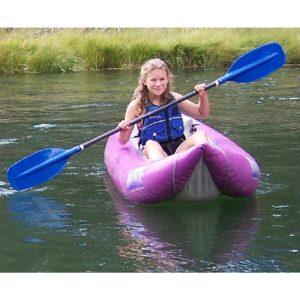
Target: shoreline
[(60, 50)]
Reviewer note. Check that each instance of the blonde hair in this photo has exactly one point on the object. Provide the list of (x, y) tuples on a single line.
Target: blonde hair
[(141, 91)]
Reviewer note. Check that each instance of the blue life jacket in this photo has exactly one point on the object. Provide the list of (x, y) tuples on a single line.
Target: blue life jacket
[(165, 126)]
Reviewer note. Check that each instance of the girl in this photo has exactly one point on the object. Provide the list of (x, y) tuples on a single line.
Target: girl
[(162, 134)]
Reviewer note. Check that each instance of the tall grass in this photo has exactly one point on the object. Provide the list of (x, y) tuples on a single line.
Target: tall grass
[(66, 50)]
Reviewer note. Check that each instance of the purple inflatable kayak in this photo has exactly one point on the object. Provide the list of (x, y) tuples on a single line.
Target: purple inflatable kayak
[(202, 172)]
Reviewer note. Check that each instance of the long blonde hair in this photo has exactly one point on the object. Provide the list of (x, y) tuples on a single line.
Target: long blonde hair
[(141, 91)]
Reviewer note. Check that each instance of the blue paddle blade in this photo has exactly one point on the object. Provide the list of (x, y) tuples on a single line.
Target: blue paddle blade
[(36, 168), (256, 64)]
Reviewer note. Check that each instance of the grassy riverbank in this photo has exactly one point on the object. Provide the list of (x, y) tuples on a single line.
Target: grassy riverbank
[(65, 50)]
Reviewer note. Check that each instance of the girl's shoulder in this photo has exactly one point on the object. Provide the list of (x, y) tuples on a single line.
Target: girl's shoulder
[(133, 104), (133, 108)]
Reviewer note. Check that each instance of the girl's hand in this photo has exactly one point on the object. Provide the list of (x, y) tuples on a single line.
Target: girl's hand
[(203, 102), (124, 125), (200, 89), (124, 134)]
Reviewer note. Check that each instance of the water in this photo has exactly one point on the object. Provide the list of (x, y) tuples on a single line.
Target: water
[(76, 222)]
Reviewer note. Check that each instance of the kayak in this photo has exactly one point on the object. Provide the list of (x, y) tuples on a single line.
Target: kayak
[(201, 173)]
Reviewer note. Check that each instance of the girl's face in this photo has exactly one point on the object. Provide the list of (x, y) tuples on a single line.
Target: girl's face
[(157, 81)]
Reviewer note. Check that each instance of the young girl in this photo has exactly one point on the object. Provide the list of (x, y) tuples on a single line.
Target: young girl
[(162, 134)]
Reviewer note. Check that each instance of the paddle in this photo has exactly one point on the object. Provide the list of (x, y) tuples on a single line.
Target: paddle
[(44, 164)]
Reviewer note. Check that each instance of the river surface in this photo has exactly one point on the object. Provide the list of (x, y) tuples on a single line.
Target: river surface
[(76, 222)]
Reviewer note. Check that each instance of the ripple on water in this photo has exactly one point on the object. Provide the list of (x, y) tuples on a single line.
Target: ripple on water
[(44, 126), (91, 105), (8, 141), (33, 240), (97, 170), (5, 191), (266, 186)]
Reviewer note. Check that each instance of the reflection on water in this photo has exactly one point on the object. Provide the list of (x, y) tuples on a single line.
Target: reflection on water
[(180, 237), (35, 210)]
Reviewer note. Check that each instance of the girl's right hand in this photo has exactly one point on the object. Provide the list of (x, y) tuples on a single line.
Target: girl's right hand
[(124, 125), (124, 134)]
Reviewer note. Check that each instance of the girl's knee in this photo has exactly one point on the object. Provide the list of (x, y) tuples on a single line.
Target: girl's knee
[(153, 150), (152, 145)]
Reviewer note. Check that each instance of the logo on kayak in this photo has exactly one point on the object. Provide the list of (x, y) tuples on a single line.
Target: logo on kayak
[(134, 179)]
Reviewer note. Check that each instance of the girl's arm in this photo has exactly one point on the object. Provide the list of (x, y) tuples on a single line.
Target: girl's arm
[(197, 111), (124, 134)]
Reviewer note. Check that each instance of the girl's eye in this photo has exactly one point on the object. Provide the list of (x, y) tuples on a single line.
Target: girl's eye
[(157, 79)]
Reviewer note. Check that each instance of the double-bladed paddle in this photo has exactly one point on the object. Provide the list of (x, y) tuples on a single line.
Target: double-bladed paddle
[(44, 164)]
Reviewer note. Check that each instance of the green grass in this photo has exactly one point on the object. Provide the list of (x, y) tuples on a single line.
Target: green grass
[(70, 50)]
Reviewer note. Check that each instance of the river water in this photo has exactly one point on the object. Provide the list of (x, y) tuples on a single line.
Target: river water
[(76, 222)]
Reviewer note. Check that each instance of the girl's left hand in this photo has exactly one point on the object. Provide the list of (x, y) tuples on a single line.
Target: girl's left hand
[(200, 89)]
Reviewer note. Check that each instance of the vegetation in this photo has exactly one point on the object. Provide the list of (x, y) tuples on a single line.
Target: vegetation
[(66, 50)]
